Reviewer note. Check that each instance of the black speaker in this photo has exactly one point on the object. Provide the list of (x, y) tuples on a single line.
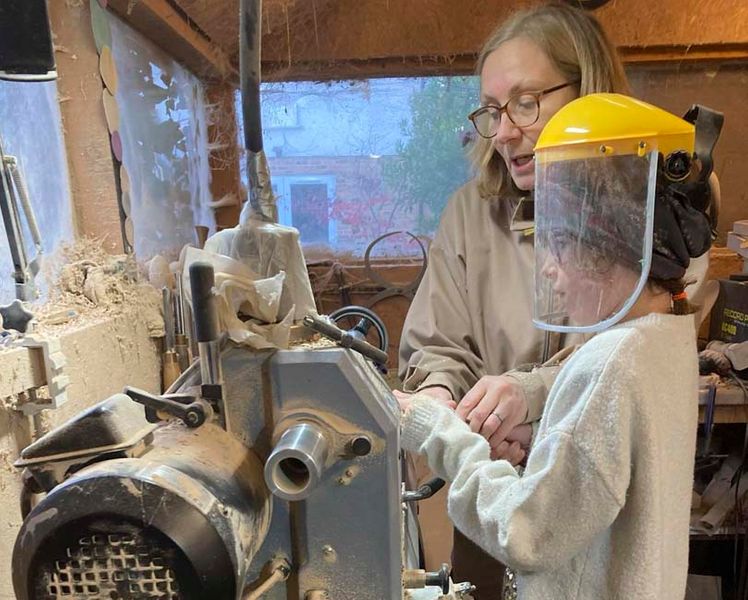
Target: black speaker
[(26, 52)]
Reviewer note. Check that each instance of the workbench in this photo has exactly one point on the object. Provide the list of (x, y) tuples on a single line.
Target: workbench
[(730, 402)]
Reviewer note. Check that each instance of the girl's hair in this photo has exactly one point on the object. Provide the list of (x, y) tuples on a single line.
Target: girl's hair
[(576, 45), (676, 289)]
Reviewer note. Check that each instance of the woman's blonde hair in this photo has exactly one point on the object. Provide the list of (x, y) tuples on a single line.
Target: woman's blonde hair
[(576, 45)]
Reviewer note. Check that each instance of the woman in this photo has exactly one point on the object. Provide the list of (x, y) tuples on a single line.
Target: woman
[(470, 321), (602, 508), (547, 57)]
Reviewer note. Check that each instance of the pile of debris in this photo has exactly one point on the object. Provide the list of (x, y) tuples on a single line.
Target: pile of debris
[(86, 285)]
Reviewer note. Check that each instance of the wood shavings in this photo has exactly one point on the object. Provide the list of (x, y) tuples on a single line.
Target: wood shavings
[(315, 342), (88, 285)]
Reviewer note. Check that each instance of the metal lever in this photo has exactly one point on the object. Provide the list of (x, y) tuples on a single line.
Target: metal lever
[(205, 314), (426, 490), (24, 270), (345, 339), (418, 578), (192, 411)]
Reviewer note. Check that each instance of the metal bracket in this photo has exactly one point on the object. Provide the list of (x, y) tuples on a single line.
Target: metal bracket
[(54, 362)]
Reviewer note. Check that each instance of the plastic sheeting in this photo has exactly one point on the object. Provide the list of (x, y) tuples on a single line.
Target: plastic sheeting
[(241, 290), (31, 130), (269, 249), (164, 142)]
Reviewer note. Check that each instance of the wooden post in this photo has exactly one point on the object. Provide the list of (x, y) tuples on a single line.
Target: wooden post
[(225, 154), (89, 157)]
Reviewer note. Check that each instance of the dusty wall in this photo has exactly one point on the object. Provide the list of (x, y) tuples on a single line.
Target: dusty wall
[(410, 31), (332, 39)]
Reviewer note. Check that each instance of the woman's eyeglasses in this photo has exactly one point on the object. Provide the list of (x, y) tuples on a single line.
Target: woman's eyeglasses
[(522, 109)]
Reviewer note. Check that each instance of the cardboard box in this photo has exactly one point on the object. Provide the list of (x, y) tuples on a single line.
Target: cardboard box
[(729, 317)]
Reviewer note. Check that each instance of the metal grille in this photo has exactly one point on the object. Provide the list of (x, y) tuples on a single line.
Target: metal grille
[(114, 565)]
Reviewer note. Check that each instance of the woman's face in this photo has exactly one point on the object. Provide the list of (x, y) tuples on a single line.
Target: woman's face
[(519, 65)]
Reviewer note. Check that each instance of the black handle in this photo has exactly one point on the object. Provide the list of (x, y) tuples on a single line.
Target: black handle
[(249, 61), (15, 316), (426, 490), (440, 578), (204, 313)]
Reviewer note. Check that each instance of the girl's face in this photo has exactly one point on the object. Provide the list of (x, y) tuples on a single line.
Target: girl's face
[(588, 290), (519, 65)]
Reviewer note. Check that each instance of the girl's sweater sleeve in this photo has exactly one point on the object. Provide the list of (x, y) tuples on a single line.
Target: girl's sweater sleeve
[(534, 521)]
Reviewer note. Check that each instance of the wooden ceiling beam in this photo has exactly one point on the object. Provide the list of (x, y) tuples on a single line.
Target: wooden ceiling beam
[(171, 29), (464, 64)]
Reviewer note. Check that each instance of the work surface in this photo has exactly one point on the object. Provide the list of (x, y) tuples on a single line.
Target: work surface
[(730, 402)]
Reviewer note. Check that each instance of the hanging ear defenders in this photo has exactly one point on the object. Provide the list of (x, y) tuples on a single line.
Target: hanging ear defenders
[(679, 165)]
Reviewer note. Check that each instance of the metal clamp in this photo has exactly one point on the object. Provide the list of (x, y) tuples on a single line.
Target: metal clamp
[(192, 411)]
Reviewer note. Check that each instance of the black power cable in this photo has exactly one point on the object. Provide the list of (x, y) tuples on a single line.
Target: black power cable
[(743, 574)]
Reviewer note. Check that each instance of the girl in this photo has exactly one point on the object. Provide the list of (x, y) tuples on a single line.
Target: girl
[(602, 508)]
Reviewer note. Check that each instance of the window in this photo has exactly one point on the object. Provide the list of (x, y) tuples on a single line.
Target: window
[(303, 202), (386, 153), (31, 131)]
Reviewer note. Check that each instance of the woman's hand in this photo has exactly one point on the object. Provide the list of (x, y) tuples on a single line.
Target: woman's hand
[(494, 407)]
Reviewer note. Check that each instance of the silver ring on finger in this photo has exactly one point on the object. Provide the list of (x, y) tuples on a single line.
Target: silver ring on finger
[(500, 418)]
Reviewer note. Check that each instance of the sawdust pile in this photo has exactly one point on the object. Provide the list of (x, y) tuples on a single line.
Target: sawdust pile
[(87, 285), (313, 342)]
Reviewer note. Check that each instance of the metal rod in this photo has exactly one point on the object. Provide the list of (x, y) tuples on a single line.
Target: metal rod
[(261, 199), (345, 339), (23, 194), (210, 362), (9, 210)]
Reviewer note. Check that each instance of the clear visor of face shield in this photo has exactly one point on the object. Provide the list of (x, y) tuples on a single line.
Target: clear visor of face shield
[(593, 238)]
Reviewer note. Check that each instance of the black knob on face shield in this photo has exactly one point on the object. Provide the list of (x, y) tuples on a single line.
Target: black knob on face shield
[(677, 165)]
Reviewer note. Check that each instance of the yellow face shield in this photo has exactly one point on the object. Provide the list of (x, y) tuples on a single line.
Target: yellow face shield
[(595, 187)]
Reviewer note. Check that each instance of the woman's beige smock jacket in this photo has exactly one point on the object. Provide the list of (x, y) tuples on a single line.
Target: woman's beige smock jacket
[(472, 314)]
